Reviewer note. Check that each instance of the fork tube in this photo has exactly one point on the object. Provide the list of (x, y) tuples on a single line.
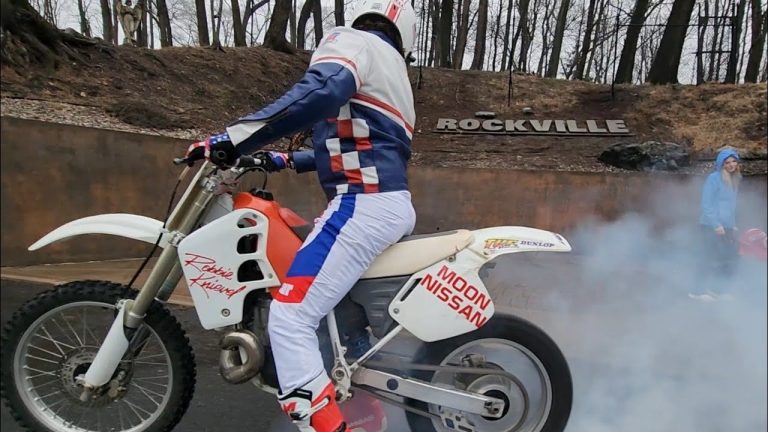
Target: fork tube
[(164, 267), (170, 283)]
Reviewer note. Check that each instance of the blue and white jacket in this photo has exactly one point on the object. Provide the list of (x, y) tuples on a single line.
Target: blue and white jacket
[(357, 94)]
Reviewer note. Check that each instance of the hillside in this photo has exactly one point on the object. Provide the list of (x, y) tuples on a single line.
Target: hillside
[(189, 92)]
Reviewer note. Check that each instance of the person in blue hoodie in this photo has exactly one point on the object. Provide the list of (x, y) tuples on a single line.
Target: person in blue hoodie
[(718, 218)]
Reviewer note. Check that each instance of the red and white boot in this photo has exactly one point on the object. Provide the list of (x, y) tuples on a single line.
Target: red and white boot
[(313, 407)]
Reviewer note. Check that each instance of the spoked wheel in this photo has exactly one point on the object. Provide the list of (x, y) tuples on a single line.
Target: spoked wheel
[(536, 388), (53, 339)]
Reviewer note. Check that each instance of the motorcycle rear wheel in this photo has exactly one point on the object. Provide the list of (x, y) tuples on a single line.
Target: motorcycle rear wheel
[(538, 399), (53, 338)]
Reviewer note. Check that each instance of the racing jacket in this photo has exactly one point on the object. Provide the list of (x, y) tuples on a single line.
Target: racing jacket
[(357, 94)]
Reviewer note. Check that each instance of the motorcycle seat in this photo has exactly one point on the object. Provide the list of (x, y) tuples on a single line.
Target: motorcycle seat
[(414, 253)]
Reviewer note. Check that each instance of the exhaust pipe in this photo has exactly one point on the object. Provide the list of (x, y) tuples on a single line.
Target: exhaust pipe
[(234, 345)]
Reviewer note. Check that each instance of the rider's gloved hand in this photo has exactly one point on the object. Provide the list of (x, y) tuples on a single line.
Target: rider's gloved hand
[(273, 161), (217, 148)]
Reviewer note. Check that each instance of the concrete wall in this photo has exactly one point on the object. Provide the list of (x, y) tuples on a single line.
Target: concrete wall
[(54, 173)]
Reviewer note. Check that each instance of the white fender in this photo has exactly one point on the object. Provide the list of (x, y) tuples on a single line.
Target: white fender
[(131, 226), (495, 241)]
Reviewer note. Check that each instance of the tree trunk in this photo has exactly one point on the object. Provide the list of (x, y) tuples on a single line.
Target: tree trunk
[(434, 7), (106, 21), (667, 60), (317, 17), (482, 28), (278, 24), (164, 24), (237, 24), (461, 35), (142, 36), (598, 36), (444, 34), (715, 37), (733, 57), (546, 29), (216, 24), (115, 24), (522, 7), (586, 44), (759, 30), (301, 25), (557, 43), (496, 32), (507, 27), (151, 22), (85, 25), (202, 23), (702, 30), (338, 12), (628, 52)]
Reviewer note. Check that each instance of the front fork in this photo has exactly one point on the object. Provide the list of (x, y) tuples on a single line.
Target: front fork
[(163, 278)]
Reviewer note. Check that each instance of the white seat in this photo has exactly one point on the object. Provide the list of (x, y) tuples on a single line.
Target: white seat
[(414, 253)]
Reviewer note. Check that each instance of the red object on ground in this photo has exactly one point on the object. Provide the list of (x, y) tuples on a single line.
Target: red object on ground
[(753, 242)]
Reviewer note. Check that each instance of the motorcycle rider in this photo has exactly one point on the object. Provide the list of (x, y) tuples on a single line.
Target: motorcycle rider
[(357, 95)]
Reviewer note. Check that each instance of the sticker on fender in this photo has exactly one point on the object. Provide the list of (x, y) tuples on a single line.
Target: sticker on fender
[(461, 296)]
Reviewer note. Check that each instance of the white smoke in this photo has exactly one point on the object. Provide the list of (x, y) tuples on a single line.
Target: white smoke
[(644, 356)]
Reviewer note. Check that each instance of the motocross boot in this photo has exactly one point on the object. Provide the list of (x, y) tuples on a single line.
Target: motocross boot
[(313, 407)]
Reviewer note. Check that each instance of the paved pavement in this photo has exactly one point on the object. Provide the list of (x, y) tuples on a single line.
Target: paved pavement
[(216, 405), (644, 357)]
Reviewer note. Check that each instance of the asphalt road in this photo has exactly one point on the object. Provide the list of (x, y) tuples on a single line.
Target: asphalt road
[(216, 405)]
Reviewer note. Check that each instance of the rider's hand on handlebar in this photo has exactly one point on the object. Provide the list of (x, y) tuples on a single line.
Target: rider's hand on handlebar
[(217, 148), (273, 161)]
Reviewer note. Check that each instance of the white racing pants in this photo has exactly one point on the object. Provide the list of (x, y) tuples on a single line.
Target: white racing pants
[(350, 234)]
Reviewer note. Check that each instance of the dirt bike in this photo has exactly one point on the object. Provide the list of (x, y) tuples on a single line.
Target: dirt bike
[(96, 355)]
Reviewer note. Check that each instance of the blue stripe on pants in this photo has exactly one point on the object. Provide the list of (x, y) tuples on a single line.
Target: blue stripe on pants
[(310, 258)]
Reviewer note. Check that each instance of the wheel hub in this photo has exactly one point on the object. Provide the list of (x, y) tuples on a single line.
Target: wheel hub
[(76, 364)]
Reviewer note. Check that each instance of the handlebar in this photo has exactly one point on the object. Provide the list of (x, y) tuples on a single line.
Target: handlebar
[(244, 161)]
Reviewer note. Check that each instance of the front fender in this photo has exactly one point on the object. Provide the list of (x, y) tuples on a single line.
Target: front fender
[(131, 226)]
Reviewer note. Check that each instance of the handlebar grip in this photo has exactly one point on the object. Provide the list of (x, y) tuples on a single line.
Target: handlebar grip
[(246, 161)]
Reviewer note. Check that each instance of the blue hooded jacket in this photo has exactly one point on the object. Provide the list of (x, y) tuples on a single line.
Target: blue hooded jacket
[(718, 199)]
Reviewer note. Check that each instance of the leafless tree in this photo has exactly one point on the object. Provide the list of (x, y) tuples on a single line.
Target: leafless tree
[(338, 12), (202, 23), (757, 43), (462, 30), (482, 27), (733, 58), (278, 23), (667, 60), (85, 24), (444, 34), (106, 21), (557, 42)]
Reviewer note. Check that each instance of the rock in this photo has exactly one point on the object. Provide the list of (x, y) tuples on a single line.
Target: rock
[(485, 114), (528, 111), (646, 156)]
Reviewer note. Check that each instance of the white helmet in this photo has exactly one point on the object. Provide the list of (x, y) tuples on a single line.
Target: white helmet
[(398, 12)]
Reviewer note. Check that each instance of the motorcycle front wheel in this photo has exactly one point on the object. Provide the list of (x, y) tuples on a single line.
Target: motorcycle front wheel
[(537, 396), (53, 338)]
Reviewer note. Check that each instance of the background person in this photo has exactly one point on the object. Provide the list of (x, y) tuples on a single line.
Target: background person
[(718, 226)]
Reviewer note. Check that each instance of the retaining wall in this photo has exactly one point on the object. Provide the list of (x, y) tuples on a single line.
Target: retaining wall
[(54, 173)]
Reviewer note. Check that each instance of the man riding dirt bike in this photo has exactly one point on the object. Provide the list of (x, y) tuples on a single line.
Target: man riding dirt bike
[(477, 371), (357, 93)]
